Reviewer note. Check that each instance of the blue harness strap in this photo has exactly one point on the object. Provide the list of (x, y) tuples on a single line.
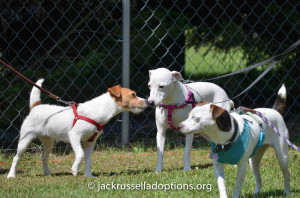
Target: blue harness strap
[(238, 148), (259, 143)]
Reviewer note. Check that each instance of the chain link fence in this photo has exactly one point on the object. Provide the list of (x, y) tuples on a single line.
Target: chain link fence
[(77, 47)]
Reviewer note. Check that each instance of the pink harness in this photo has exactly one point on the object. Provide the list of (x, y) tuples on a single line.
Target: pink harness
[(189, 99)]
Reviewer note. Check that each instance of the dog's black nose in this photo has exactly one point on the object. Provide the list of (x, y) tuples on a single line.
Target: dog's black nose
[(150, 102)]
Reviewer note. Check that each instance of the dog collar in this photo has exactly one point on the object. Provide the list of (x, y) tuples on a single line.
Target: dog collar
[(227, 145), (80, 117), (189, 100)]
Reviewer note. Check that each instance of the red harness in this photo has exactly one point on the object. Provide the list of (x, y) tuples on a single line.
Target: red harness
[(98, 125), (189, 99)]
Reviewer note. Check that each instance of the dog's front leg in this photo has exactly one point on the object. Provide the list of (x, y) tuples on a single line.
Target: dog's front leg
[(88, 150), (75, 138), (187, 151), (242, 167), (160, 141), (219, 173)]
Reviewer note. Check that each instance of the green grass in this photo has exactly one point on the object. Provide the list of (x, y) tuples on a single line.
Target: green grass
[(209, 60), (133, 166)]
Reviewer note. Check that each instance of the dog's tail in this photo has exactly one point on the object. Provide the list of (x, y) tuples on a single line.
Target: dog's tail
[(279, 104), (35, 95)]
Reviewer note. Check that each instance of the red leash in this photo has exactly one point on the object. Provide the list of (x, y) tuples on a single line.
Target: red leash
[(74, 105), (32, 83)]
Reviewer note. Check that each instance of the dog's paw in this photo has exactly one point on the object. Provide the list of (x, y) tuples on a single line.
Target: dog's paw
[(74, 171), (11, 176), (157, 171)]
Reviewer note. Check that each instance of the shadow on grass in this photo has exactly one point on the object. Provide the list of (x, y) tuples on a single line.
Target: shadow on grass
[(271, 193), (202, 166), (61, 174), (109, 174), (125, 172), (57, 174), (136, 172), (4, 171)]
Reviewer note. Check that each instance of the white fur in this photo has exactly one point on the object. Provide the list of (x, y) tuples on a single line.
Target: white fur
[(35, 94), (282, 92), (165, 88), (200, 121), (52, 123)]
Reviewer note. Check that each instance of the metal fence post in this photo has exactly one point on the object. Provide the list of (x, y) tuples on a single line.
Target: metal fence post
[(125, 64)]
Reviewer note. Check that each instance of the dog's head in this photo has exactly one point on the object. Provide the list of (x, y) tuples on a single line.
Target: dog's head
[(127, 99), (207, 118), (161, 83)]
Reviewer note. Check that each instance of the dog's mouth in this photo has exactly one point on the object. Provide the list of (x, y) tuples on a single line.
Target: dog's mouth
[(153, 106), (137, 109), (186, 132)]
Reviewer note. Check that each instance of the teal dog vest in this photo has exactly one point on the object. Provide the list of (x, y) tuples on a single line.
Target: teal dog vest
[(235, 153)]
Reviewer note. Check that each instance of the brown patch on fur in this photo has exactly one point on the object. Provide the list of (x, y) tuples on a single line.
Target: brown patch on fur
[(279, 104), (125, 97), (222, 117), (35, 104), (216, 111), (115, 91), (202, 103)]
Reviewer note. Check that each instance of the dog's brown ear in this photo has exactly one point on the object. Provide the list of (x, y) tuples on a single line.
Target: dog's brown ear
[(202, 103), (115, 91), (216, 111), (222, 117)]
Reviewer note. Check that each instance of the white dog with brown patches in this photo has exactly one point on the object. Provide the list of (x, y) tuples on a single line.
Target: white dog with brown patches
[(170, 97), (52, 123), (238, 137)]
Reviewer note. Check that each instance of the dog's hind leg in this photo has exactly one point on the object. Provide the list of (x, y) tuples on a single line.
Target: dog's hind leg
[(187, 151), (254, 165), (48, 143), (22, 145), (88, 150), (281, 150)]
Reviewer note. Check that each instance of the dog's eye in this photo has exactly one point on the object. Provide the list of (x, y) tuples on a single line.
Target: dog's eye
[(196, 119), (133, 95), (161, 86), (149, 86)]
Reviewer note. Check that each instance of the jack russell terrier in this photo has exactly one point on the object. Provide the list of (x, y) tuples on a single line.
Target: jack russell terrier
[(76, 124), (237, 137), (173, 101)]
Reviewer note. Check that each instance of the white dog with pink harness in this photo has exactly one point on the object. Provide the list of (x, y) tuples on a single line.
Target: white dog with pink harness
[(173, 101)]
